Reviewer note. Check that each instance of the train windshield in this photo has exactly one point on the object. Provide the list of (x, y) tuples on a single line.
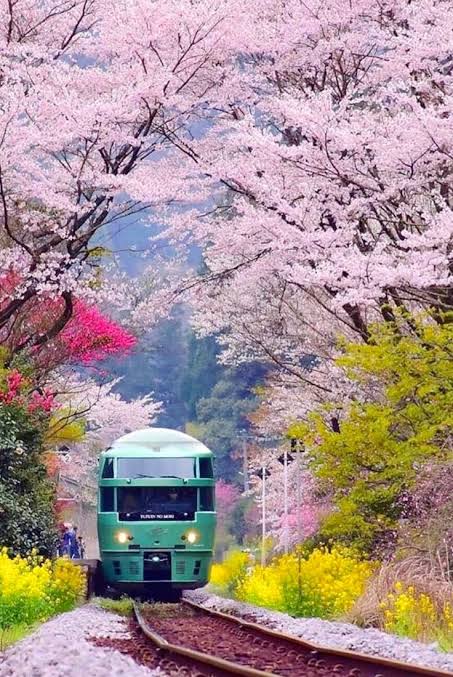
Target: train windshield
[(157, 500), (156, 467)]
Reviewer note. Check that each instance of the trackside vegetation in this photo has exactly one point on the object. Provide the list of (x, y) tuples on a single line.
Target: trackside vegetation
[(323, 583), (401, 419), (381, 458), (32, 589)]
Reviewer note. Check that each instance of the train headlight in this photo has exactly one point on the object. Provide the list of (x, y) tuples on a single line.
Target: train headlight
[(122, 537), (192, 536)]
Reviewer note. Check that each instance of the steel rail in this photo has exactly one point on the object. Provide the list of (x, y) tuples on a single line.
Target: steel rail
[(227, 667), (372, 661)]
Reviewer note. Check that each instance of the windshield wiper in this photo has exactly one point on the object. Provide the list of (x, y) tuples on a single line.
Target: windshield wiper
[(157, 477)]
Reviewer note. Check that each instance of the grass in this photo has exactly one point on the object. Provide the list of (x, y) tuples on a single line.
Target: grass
[(415, 571), (411, 598), (122, 606), (15, 634), (164, 610)]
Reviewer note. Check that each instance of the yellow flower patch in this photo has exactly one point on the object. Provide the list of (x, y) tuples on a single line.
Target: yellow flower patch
[(33, 588), (324, 584), (414, 614)]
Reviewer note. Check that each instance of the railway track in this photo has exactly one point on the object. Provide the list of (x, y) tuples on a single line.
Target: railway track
[(191, 640)]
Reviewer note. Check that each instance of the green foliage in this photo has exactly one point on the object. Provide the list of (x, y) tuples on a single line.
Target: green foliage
[(405, 420), (157, 365), (27, 521), (26, 496), (223, 414), (123, 606), (201, 373), (244, 519), (238, 519), (14, 634)]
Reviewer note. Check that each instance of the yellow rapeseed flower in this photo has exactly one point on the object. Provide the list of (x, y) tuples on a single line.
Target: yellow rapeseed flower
[(328, 584), (31, 588)]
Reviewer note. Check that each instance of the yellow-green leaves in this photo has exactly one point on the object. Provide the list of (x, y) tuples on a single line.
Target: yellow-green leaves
[(404, 418)]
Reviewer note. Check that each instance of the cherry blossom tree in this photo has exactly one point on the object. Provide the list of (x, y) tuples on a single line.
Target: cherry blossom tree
[(344, 187), (227, 496), (304, 508), (313, 141), (98, 99), (334, 163), (105, 416)]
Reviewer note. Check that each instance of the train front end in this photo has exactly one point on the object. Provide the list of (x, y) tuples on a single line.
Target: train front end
[(156, 512)]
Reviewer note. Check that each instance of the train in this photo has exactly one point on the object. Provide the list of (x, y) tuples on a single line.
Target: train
[(156, 513)]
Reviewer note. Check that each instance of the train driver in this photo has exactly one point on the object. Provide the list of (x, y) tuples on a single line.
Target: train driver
[(177, 500), (130, 502)]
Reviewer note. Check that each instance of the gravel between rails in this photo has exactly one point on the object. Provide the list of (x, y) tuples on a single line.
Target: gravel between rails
[(332, 634), (62, 647)]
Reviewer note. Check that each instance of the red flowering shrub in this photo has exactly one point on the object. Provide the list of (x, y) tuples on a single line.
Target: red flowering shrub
[(91, 336), (88, 336), (17, 390)]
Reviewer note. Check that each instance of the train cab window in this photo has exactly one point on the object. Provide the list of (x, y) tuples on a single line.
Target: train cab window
[(107, 495), (181, 468), (206, 467), (107, 470), (206, 499), (174, 501)]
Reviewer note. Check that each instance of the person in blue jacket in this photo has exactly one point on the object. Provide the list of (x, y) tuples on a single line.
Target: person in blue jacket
[(66, 541), (74, 552)]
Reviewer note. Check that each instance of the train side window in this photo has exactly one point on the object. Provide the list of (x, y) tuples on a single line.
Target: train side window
[(206, 467), (207, 499), (107, 499), (107, 470)]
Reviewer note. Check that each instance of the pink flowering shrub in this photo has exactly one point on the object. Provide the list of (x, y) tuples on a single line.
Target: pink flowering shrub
[(17, 390), (91, 336), (88, 336), (227, 496), (44, 401), (13, 383)]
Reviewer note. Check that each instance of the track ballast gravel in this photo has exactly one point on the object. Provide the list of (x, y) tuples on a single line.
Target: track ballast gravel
[(64, 647), (332, 634)]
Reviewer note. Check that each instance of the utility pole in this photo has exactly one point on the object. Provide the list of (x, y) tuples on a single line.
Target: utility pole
[(297, 446), (285, 459), (285, 500), (263, 473), (245, 464), (263, 518)]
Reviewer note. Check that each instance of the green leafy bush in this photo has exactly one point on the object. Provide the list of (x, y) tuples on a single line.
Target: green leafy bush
[(404, 420), (26, 495)]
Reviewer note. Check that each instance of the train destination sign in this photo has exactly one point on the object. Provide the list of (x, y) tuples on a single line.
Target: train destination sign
[(149, 516)]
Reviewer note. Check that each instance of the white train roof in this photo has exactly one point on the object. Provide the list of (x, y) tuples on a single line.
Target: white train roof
[(156, 439)]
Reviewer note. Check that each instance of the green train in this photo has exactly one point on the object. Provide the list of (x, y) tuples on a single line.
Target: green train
[(156, 512)]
